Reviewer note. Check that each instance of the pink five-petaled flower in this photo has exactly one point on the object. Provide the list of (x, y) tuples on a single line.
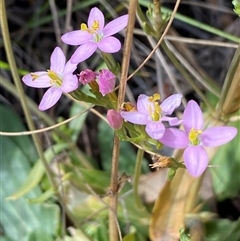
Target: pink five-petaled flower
[(194, 138), (150, 113), (94, 35), (59, 78)]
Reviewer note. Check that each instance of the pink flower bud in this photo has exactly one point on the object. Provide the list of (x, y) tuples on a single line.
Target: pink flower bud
[(106, 81), (87, 76), (115, 120)]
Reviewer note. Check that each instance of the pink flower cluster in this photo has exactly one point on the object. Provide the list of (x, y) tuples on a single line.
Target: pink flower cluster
[(148, 111), (193, 139), (60, 78)]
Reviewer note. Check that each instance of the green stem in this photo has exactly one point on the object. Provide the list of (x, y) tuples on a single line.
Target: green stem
[(137, 173)]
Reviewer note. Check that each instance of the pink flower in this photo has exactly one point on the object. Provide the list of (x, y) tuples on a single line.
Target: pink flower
[(106, 81), (115, 120), (194, 138), (59, 78), (87, 76), (94, 35), (150, 113)]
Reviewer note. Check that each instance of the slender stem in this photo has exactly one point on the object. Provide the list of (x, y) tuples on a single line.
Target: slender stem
[(226, 98), (137, 173), (113, 200), (113, 232)]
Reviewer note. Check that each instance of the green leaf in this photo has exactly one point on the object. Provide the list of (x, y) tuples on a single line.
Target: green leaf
[(39, 235), (37, 172), (129, 237), (226, 179), (18, 218), (222, 230)]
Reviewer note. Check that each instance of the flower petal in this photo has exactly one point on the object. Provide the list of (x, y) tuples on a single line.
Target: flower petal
[(106, 81), (175, 138), (96, 15), (50, 98), (109, 45), (76, 37), (115, 120), (170, 104), (115, 25), (173, 121), (70, 83), (69, 68), (192, 116), (83, 52), (196, 160), (43, 81), (217, 136), (155, 129), (143, 104), (57, 60), (135, 117)]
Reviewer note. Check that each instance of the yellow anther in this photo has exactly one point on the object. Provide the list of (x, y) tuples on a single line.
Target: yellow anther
[(156, 97), (127, 106), (84, 27), (93, 28), (34, 76), (55, 79), (155, 110), (95, 25), (193, 136)]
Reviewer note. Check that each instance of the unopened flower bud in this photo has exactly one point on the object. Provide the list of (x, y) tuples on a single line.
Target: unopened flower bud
[(115, 120), (87, 76), (106, 81)]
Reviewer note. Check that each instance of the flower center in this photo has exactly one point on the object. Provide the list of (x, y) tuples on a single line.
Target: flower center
[(93, 30), (154, 108), (194, 136), (55, 79)]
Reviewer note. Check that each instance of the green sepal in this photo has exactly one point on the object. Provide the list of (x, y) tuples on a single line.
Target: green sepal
[(111, 63), (80, 96)]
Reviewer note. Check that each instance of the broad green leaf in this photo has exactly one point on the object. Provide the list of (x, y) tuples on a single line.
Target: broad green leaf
[(226, 178), (18, 218), (10, 122), (39, 235), (37, 172), (223, 230)]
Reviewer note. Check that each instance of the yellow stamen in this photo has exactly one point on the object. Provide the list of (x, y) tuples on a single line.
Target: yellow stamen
[(34, 76), (93, 28), (84, 27), (127, 106), (193, 136), (155, 112), (55, 79), (95, 25)]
